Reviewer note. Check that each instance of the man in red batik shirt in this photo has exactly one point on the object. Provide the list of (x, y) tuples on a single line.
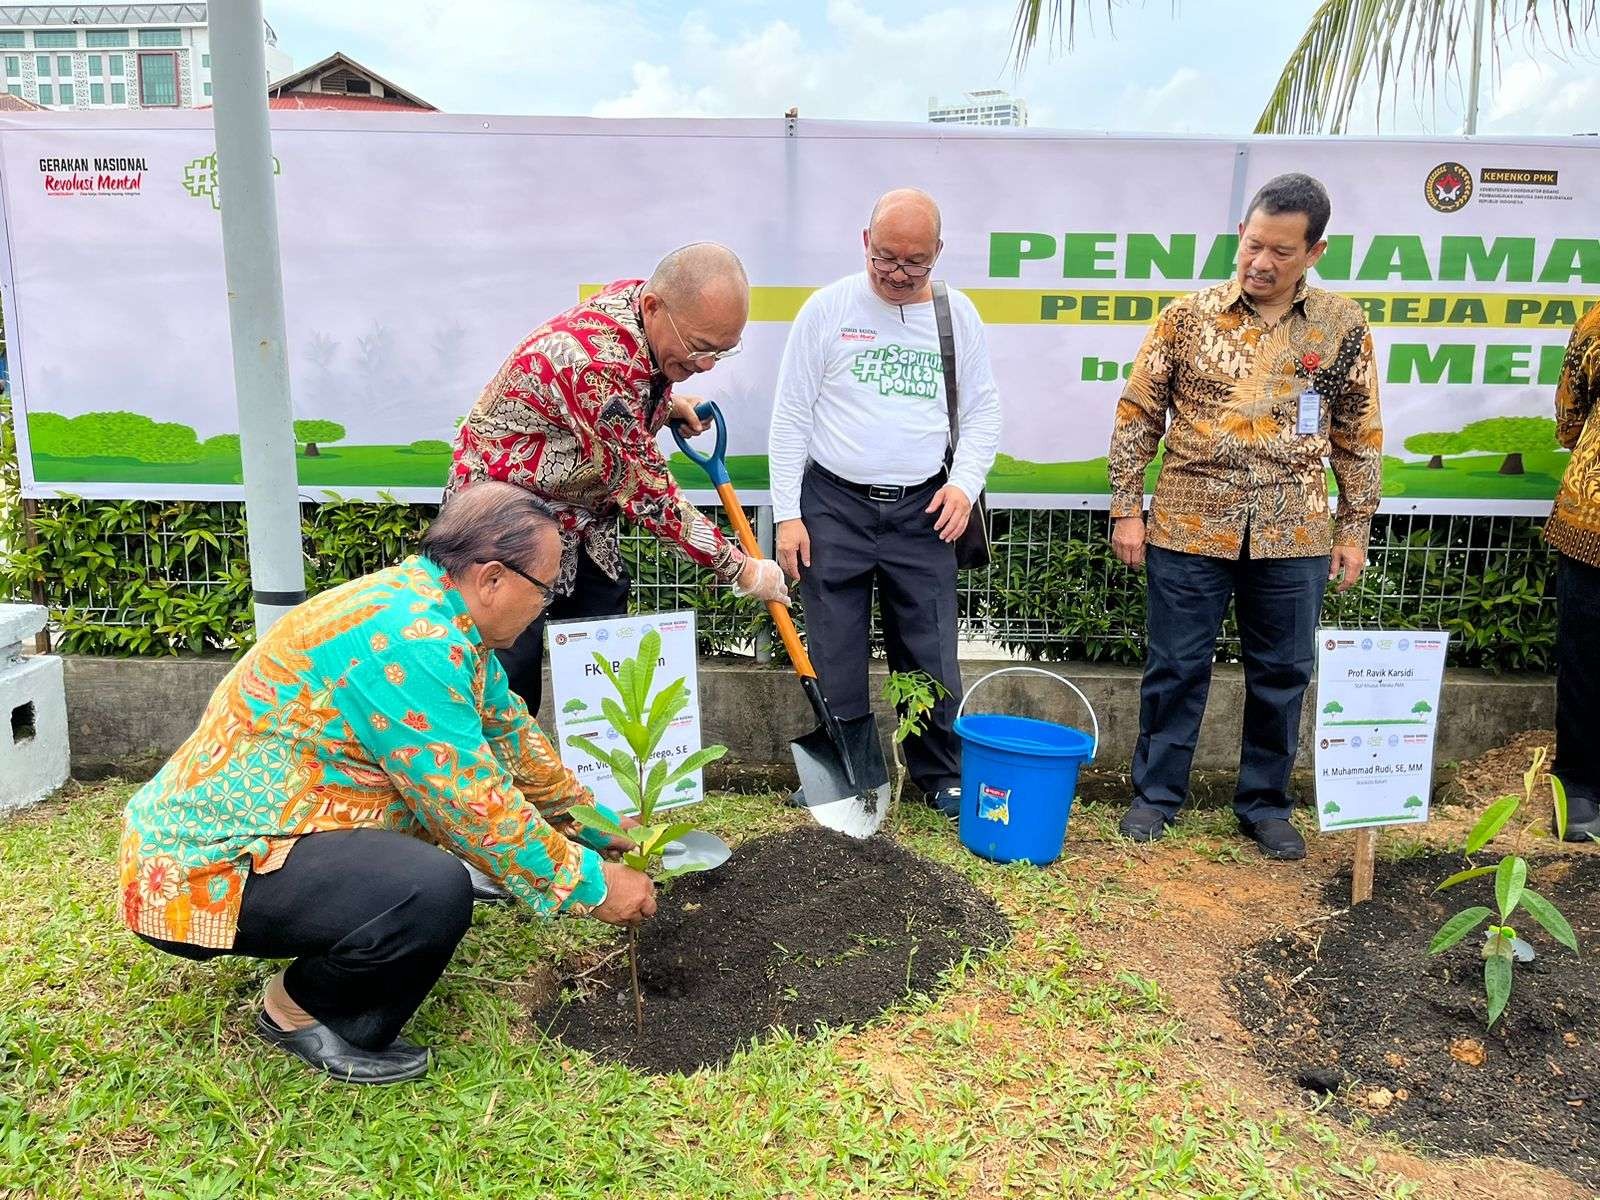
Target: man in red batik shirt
[(573, 414)]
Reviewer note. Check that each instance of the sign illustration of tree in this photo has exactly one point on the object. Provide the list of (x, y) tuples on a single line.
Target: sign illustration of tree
[(1413, 802), (686, 785), (312, 432), (1435, 446), (574, 705), (1330, 808), (1511, 436), (1333, 706), (1422, 706)]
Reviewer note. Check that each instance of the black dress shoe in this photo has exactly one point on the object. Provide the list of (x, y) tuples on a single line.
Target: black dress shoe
[(324, 1050), (1583, 819), (1144, 823), (486, 889), (1276, 837)]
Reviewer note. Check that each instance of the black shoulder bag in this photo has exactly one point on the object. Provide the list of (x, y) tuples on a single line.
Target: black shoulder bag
[(972, 547)]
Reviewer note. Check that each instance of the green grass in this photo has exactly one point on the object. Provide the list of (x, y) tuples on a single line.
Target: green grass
[(1044, 1069)]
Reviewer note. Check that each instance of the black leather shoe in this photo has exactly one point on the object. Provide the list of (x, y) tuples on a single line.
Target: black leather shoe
[(1144, 823), (1583, 819), (324, 1050), (486, 889), (1276, 837)]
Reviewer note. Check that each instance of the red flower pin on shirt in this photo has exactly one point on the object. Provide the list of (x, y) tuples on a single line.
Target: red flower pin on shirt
[(1311, 361)]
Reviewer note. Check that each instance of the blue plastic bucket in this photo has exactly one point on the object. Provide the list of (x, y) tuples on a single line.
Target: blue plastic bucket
[(1019, 776)]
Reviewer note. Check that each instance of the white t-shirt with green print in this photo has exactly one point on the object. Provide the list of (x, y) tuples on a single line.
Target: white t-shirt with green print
[(861, 393)]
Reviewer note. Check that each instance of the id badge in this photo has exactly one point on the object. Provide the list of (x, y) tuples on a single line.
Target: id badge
[(1310, 411)]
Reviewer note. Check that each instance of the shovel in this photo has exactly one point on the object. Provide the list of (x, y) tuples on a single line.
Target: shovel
[(844, 781)]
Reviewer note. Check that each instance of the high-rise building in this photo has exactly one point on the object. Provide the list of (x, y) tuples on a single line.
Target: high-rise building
[(92, 56), (992, 107)]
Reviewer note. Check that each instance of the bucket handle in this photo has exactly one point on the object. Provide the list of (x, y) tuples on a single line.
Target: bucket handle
[(1094, 720)]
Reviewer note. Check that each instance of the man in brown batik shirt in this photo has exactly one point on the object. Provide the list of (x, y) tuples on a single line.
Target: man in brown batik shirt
[(1263, 378)]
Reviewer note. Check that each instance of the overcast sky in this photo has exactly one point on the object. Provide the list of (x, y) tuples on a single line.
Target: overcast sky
[(1206, 69)]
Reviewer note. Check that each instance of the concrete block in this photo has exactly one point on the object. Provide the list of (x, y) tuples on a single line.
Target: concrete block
[(34, 753), (19, 621)]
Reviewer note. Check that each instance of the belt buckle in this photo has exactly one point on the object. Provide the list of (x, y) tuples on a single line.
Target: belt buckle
[(885, 493)]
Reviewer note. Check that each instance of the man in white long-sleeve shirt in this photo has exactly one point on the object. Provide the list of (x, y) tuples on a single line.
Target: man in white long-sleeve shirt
[(860, 490)]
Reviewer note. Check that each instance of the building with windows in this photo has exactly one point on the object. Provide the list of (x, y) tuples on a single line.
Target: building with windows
[(340, 82), (91, 56), (991, 107)]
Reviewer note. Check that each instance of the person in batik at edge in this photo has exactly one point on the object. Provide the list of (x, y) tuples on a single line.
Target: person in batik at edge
[(1253, 383), (370, 729), (1574, 532)]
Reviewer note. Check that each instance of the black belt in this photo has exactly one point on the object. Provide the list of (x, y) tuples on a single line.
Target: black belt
[(882, 493)]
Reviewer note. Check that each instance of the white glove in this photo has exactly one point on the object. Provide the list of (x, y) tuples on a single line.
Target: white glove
[(763, 579)]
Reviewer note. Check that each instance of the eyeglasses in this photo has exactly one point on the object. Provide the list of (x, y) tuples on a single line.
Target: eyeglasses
[(544, 587), (701, 356), (888, 266)]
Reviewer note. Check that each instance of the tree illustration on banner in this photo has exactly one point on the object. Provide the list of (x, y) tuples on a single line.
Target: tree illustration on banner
[(1332, 707), (1513, 437), (1422, 706), (1435, 446), (312, 432), (1330, 808), (1413, 802)]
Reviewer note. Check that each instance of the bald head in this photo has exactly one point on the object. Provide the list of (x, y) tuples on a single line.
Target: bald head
[(698, 274), (695, 304), (906, 212), (902, 244)]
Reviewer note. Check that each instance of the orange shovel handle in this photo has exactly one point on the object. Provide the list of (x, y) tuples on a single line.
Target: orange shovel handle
[(780, 614)]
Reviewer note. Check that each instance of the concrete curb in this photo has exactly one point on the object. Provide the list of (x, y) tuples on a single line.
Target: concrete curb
[(126, 716)]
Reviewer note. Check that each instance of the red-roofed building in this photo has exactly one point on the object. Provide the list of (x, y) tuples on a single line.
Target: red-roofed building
[(339, 82)]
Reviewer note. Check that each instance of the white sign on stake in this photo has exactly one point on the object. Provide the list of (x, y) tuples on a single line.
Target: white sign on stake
[(1377, 713), (580, 685)]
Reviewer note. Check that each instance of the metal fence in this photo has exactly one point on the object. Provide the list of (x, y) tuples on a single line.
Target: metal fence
[(1054, 590)]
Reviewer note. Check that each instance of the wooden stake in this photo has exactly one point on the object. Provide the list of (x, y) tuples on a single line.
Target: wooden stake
[(1361, 873)]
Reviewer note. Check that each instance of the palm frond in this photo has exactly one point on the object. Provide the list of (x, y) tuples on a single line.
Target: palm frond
[(1059, 17), (1349, 43)]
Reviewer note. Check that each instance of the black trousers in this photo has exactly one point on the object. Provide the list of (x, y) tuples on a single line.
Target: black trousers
[(1577, 761), (370, 918), (1278, 602), (856, 544), (594, 594)]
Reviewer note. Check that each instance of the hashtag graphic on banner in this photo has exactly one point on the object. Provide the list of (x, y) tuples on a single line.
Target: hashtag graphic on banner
[(200, 178)]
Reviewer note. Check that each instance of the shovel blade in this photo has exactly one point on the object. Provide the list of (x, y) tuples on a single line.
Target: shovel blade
[(825, 778)]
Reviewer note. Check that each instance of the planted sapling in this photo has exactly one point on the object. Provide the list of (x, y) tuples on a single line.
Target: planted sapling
[(641, 720), (1511, 892)]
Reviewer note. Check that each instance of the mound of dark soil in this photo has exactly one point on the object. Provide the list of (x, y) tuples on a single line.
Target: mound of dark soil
[(1355, 1004), (796, 930)]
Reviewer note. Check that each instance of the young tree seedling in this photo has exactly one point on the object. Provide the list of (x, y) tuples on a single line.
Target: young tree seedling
[(1511, 892), (641, 720), (913, 694)]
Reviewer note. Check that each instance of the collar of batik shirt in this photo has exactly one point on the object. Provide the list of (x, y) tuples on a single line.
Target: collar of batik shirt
[(1235, 295)]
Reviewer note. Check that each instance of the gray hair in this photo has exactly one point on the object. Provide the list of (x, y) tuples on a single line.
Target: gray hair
[(684, 275), (1295, 193), (489, 522)]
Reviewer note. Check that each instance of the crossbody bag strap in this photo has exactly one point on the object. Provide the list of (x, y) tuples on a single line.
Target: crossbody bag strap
[(947, 355)]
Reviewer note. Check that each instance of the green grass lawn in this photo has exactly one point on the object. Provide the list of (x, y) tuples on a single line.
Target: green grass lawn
[(1043, 1069)]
